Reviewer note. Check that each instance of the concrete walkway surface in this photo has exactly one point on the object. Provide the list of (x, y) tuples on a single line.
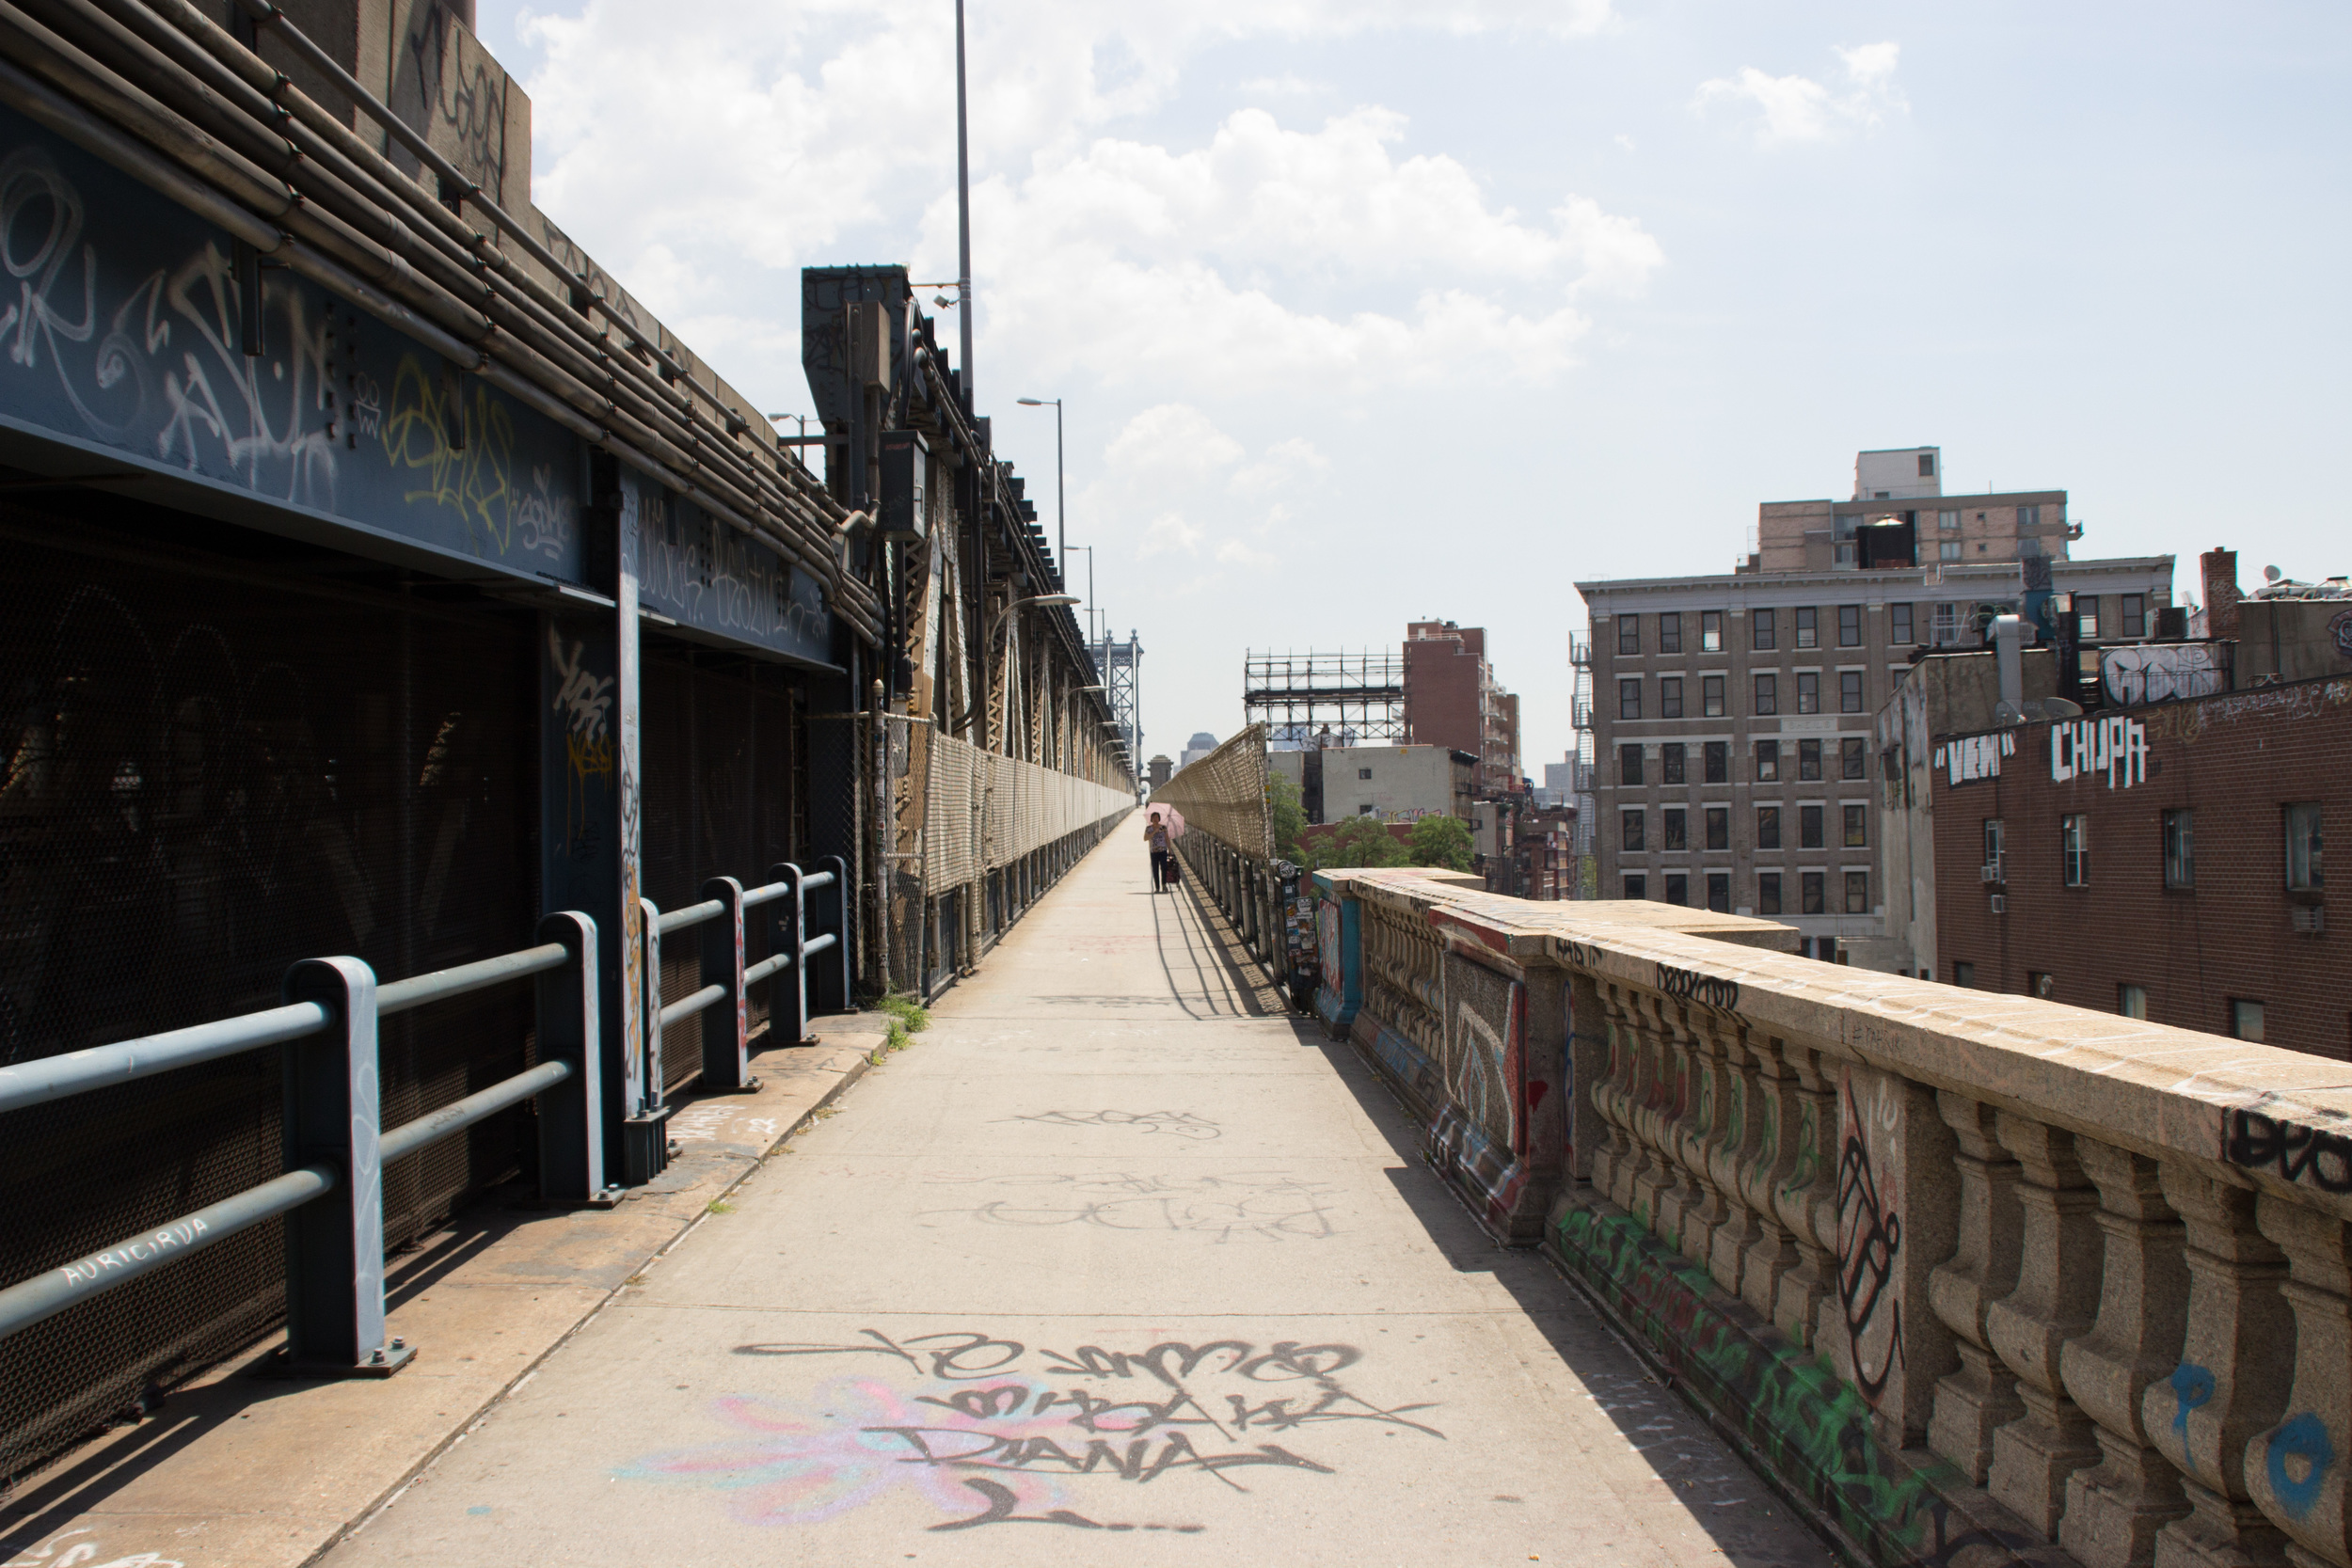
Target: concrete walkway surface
[(1117, 1264)]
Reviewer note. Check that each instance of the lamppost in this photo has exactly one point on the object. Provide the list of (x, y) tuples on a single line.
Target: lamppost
[(1061, 511)]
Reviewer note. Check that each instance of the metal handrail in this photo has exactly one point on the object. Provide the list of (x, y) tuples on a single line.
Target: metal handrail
[(693, 914), (345, 1278)]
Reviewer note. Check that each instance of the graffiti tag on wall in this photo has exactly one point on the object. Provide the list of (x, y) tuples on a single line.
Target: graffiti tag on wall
[(2292, 1150), (2116, 745), (1870, 1231), (1971, 757)]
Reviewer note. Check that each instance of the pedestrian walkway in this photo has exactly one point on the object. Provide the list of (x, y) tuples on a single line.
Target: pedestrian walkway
[(1116, 1248)]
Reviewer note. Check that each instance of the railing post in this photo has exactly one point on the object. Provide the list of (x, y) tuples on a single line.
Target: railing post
[(645, 1114), (726, 1023), (830, 986), (787, 932), (335, 1243), (571, 1114)]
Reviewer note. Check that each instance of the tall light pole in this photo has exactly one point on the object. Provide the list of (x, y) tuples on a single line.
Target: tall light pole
[(1062, 509), (963, 214)]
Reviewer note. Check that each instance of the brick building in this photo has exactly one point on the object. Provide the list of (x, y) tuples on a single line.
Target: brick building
[(1452, 700), (2164, 861), (1732, 717)]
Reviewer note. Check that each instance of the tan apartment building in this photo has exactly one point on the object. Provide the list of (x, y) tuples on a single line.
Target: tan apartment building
[(1733, 715)]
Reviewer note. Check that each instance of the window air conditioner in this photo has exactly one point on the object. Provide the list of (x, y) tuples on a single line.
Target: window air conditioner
[(1989, 872), (2309, 917), (2001, 904)]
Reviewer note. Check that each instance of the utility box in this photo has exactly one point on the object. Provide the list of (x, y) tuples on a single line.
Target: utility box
[(905, 473)]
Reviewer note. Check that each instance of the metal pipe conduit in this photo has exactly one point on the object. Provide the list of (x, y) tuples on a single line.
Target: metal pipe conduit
[(76, 1071), (401, 995), (412, 1136), (687, 1006), (51, 1292)]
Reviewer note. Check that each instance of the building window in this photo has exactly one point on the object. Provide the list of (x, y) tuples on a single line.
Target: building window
[(1767, 762), (1899, 625), (1857, 830), (1809, 893), (2132, 1001), (1637, 887), (1857, 893), (2302, 824), (1670, 633), (1672, 759), (1718, 754), (1629, 698), (1628, 765), (2180, 849), (1808, 636), (1947, 618), (2086, 616), (1677, 890), (1363, 772), (1964, 974), (1365, 810), (1670, 697), (1768, 827), (1808, 760), (1808, 691), (1719, 891), (1947, 522), (2028, 517), (1992, 850), (1629, 634), (2041, 983), (1763, 633), (1809, 827), (1850, 625), (1851, 758), (1719, 827), (1711, 696), (2074, 843), (2135, 615), (1630, 835), (1767, 892), (1677, 833), (1947, 549), (2245, 1020), (1711, 631), (1850, 691), (1767, 696)]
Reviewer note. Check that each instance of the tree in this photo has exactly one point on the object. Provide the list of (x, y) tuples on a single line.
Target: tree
[(1289, 818), (1441, 841), (1360, 841)]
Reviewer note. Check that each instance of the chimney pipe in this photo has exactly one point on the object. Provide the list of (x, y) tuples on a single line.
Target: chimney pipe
[(2008, 635)]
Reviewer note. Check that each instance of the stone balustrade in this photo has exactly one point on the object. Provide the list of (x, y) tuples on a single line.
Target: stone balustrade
[(1974, 1278)]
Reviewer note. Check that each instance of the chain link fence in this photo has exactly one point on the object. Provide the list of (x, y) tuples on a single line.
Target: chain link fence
[(1223, 795)]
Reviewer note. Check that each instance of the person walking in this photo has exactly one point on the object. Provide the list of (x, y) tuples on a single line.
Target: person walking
[(1156, 834)]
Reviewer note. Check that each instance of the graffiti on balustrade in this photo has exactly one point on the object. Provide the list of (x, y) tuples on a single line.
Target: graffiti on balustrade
[(1485, 1048), (1969, 758), (1803, 1423), (2295, 1151), (128, 330), (1181, 1124), (1707, 991), (2116, 745), (1230, 1207), (1869, 1230), (703, 573), (965, 1429)]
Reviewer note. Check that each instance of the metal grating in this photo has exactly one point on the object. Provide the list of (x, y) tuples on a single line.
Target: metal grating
[(212, 771), (1223, 795)]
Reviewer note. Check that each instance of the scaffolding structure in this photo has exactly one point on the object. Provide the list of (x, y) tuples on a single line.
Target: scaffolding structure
[(1351, 698)]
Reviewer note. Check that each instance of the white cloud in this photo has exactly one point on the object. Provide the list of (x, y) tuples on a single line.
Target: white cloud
[(1794, 109)]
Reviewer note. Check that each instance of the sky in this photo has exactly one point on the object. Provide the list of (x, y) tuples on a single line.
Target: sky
[(1365, 311)]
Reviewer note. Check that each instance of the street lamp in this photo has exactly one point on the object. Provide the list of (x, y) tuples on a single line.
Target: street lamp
[(1061, 512)]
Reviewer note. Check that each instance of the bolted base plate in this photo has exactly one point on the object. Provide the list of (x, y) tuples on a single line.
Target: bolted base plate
[(280, 1363)]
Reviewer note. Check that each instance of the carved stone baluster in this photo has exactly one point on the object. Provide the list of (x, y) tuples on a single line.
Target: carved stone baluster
[(1981, 1397), (1732, 1158), (1653, 1113), (2232, 1382), (2114, 1511), (1639, 1043), (2056, 1298), (1807, 1199), (1702, 1132), (1613, 1099), (2295, 1471), (1773, 1111), (1679, 1196)]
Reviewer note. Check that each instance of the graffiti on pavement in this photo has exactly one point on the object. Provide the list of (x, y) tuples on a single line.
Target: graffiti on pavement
[(1232, 1207), (1183, 1124)]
